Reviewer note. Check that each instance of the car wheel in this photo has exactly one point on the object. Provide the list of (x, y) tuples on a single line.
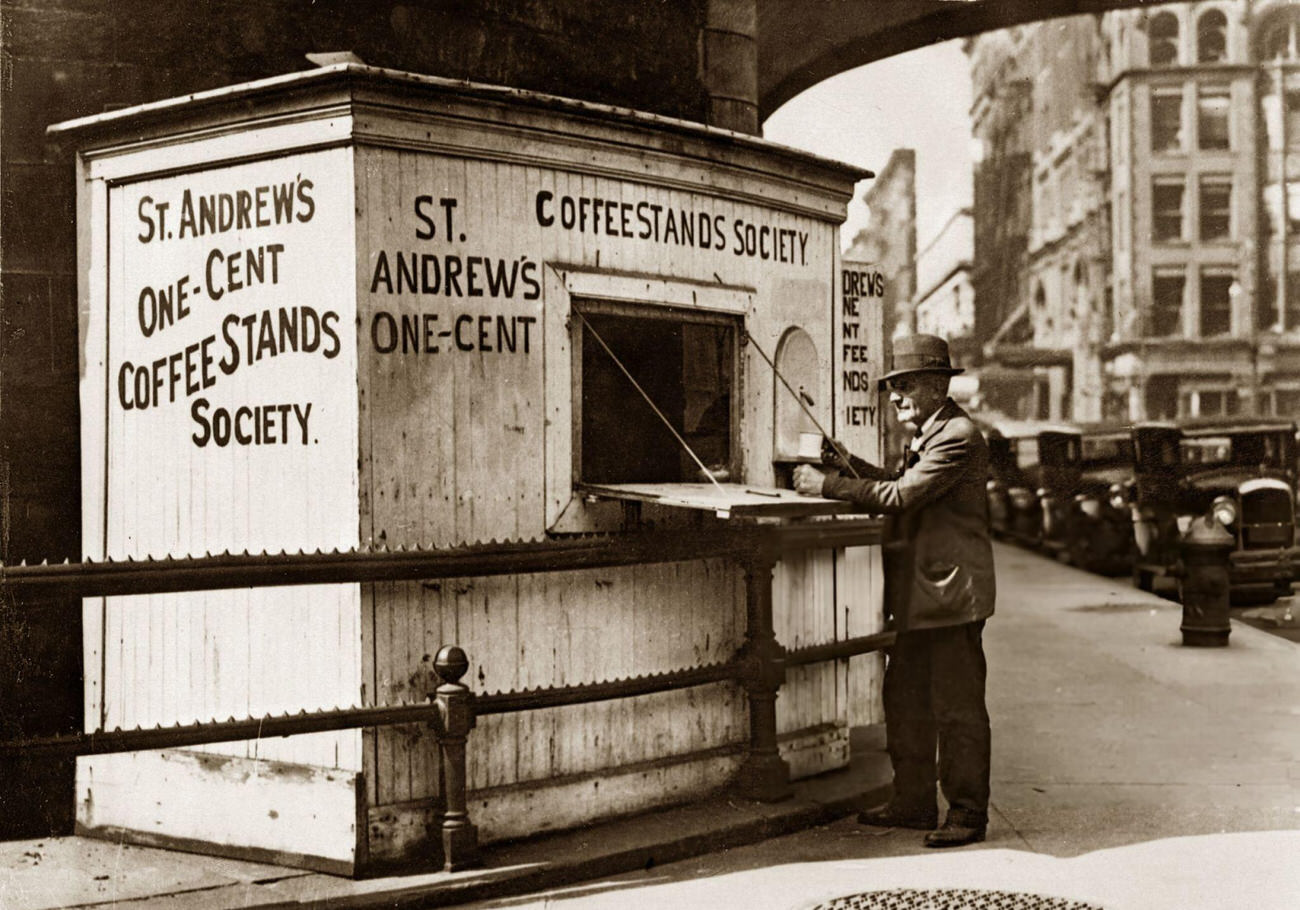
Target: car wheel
[(1144, 580), (1080, 551)]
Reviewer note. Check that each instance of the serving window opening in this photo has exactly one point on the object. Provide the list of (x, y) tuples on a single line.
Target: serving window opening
[(685, 364)]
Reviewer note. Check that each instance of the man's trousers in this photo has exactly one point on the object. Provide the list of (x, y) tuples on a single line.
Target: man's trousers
[(934, 703)]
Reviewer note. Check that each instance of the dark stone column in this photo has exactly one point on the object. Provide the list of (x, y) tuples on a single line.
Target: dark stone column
[(729, 62)]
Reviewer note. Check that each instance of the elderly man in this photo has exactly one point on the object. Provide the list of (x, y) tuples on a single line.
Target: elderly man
[(939, 590)]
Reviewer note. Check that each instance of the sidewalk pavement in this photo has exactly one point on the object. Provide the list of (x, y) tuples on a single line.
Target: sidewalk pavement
[(80, 872), (1128, 771)]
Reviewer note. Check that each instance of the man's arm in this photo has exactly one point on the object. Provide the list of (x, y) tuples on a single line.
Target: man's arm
[(834, 456), (941, 465)]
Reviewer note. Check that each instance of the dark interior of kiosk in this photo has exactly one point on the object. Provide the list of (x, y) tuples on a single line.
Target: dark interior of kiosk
[(685, 362)]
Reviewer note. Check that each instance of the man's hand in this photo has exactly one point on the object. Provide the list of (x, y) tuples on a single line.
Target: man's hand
[(834, 454), (808, 480)]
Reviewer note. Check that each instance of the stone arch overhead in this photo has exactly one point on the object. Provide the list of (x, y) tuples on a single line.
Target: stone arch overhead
[(801, 44)]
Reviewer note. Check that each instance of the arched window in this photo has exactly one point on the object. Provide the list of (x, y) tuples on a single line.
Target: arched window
[(797, 364), (1278, 41), (1162, 38), (1212, 37)]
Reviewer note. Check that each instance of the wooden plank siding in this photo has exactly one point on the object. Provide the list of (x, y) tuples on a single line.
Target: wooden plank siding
[(441, 238), (451, 454), (178, 658)]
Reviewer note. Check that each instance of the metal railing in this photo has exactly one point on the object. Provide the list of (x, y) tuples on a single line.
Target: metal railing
[(759, 665)]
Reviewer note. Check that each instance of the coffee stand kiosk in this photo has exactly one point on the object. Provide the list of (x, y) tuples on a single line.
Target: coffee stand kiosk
[(358, 309)]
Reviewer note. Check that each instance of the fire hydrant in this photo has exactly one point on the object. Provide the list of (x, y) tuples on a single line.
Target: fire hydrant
[(1205, 548)]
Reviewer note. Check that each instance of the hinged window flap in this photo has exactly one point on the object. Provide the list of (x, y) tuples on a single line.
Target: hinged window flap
[(726, 500)]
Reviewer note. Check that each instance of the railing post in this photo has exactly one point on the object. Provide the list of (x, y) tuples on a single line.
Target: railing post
[(456, 710), (764, 775)]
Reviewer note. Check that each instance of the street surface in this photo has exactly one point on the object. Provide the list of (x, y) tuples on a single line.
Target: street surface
[(1128, 771), (1281, 619)]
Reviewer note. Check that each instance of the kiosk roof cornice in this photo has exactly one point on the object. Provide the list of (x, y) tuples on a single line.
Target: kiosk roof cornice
[(359, 85)]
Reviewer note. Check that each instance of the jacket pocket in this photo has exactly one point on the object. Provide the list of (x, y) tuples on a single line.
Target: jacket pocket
[(947, 586)]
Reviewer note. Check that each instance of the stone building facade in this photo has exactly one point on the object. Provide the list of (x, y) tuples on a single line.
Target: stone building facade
[(888, 242), (945, 297), (1159, 276)]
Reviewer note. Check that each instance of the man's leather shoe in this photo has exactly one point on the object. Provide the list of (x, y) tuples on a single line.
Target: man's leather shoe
[(954, 835), (887, 816)]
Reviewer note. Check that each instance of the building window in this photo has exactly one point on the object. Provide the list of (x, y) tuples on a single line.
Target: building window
[(1286, 403), (1212, 37), (1216, 301), (1292, 206), (1216, 403), (1161, 397), (1269, 320), (1216, 208), (1167, 303), (1167, 209), (686, 364), (1163, 39), (1279, 41), (1292, 323), (1114, 405), (1212, 117), (1166, 120), (1292, 115)]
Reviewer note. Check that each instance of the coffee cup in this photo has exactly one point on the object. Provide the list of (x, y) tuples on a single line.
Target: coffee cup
[(810, 445)]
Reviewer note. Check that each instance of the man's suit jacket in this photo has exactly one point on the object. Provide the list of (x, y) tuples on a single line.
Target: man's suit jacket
[(938, 559)]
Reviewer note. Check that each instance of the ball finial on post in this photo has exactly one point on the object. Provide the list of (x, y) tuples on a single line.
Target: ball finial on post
[(450, 664)]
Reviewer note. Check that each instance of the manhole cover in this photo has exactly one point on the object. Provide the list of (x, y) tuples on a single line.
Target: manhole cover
[(948, 899)]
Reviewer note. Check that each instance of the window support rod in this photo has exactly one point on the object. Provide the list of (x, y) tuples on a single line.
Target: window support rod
[(648, 400)]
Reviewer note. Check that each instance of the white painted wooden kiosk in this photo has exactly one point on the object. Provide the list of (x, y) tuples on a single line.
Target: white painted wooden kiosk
[(354, 308)]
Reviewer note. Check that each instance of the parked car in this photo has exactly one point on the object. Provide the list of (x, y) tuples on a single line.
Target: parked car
[(1058, 451), (1100, 521), (1029, 467), (1243, 474)]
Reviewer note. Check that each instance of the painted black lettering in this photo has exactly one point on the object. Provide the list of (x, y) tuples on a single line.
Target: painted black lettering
[(461, 343), (430, 321), (452, 268), (382, 318), (230, 364), (430, 285), (428, 231), (327, 320), (381, 274), (406, 274), (410, 333), (289, 329), (308, 203), (472, 266), (198, 412), (500, 282), (544, 217), (447, 205)]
